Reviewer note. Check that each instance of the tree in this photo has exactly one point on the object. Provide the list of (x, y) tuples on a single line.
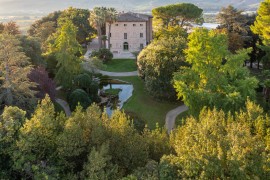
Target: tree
[(176, 15), (103, 54), (99, 165), (79, 18), (111, 17), (217, 146), (32, 49), (11, 28), (2, 27), (97, 19), (234, 22), (11, 120), (36, 156), (261, 28), (66, 48), (82, 131), (232, 19), (159, 60), (79, 96), (158, 142), (16, 88), (216, 77), (45, 85), (262, 23), (85, 82), (127, 147)]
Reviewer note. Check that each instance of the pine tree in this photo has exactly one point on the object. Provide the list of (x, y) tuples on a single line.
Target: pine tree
[(16, 88)]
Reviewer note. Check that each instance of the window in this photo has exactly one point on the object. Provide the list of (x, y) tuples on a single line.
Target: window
[(141, 24), (110, 45), (134, 24), (141, 46), (110, 34), (125, 46), (141, 35), (125, 35), (125, 24), (116, 24)]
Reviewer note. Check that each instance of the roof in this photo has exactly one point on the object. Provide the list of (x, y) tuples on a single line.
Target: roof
[(133, 17)]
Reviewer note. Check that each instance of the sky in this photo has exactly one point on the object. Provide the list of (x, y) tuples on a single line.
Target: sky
[(15, 7)]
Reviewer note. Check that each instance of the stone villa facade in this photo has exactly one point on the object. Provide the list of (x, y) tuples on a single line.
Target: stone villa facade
[(130, 33)]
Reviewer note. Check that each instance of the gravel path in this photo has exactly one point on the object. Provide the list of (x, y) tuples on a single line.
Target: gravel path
[(171, 116), (64, 105)]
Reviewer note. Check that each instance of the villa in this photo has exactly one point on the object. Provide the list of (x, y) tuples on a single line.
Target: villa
[(130, 33)]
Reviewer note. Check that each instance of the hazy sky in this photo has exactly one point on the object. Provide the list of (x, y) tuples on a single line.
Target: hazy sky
[(13, 7), (45, 6)]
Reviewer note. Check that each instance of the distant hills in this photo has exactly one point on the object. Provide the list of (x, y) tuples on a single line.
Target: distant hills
[(35, 7)]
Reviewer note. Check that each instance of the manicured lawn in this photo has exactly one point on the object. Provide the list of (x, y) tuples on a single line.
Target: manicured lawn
[(144, 106), (121, 65)]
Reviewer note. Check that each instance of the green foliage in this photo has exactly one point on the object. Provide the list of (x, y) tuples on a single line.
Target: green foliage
[(159, 60), (127, 154), (36, 155), (232, 19), (99, 164), (216, 77), (234, 22), (32, 49), (66, 47), (104, 54), (158, 142), (262, 24), (16, 88), (217, 146), (11, 121), (78, 96), (97, 19), (79, 18), (176, 15)]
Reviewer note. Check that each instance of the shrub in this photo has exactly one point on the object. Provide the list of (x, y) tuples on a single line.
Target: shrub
[(78, 96), (104, 54)]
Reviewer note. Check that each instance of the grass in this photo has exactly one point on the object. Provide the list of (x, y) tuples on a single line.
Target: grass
[(121, 65), (145, 107)]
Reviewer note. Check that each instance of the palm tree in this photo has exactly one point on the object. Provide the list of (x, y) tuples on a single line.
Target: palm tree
[(111, 18), (98, 19)]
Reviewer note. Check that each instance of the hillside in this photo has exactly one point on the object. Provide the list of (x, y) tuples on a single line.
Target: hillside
[(18, 7)]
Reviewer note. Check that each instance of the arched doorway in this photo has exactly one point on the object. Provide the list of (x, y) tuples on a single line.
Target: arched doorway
[(125, 45)]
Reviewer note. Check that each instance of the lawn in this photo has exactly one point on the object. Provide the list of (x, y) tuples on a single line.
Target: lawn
[(121, 65), (144, 106)]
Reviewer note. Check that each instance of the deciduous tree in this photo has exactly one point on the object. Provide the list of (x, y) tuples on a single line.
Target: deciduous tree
[(216, 77), (11, 28), (159, 60)]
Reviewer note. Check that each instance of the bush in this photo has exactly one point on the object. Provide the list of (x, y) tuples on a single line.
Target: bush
[(104, 54), (84, 81), (78, 96)]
